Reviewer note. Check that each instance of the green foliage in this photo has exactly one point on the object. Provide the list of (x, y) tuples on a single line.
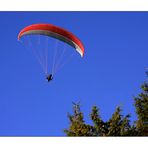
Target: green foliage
[(141, 104), (117, 125), (99, 127), (77, 124)]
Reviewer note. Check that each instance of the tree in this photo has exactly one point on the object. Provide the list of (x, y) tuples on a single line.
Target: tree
[(99, 127), (141, 105), (117, 125), (77, 124)]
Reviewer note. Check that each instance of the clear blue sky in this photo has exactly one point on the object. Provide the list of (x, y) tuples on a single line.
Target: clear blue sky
[(110, 74)]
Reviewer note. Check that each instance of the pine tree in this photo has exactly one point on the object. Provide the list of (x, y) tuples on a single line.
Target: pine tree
[(77, 124), (141, 104), (100, 127), (117, 125)]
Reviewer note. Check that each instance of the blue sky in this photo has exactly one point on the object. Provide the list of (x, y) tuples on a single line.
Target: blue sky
[(110, 74)]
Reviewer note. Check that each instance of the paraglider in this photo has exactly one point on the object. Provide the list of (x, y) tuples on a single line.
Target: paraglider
[(56, 33)]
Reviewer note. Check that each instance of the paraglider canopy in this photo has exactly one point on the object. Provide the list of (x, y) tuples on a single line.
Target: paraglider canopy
[(55, 32)]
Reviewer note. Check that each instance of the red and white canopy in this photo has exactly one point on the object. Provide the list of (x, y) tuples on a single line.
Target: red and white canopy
[(55, 32)]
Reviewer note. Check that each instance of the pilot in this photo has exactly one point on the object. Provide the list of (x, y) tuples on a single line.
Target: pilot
[(49, 77)]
